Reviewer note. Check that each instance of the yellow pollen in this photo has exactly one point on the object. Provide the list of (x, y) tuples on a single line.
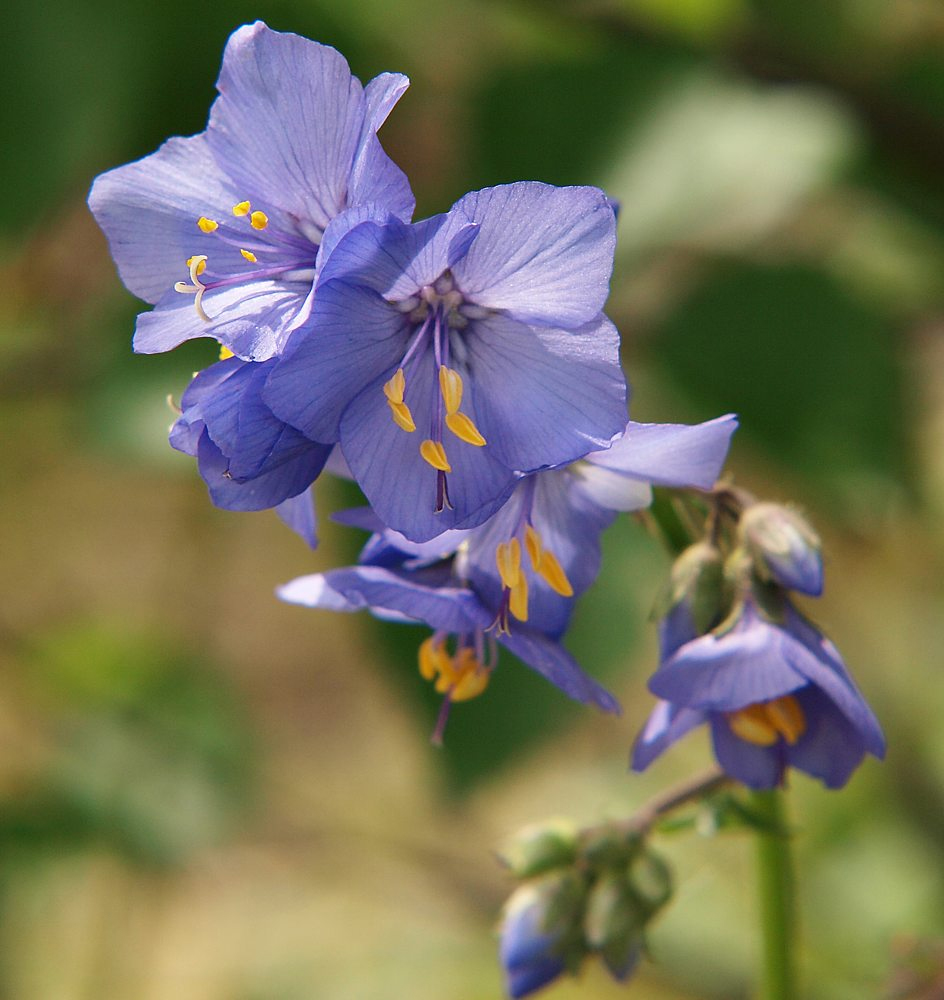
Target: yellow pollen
[(471, 678), (225, 353), (403, 418), (450, 384), (464, 429), (258, 220), (207, 225), (764, 723), (552, 571), (460, 677), (434, 453), (433, 658), (393, 389), (241, 209), (201, 264), (249, 255), (508, 560)]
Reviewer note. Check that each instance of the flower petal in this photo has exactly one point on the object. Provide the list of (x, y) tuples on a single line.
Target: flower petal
[(542, 396), (667, 723), (543, 253), (670, 454), (299, 514), (555, 664), (755, 766)]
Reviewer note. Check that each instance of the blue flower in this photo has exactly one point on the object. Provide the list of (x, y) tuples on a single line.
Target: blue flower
[(400, 581), (249, 459), (784, 546), (460, 352), (775, 694), (221, 231)]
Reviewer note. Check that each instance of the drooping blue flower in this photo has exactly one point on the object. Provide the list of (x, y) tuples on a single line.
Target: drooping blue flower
[(450, 356), (402, 581), (775, 694), (531, 953), (249, 459), (221, 231)]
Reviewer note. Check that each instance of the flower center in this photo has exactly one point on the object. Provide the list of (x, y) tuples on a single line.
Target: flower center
[(766, 722), (435, 311), (286, 257)]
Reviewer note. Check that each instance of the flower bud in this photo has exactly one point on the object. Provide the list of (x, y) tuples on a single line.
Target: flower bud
[(613, 923), (651, 880), (541, 847), (540, 933), (784, 547), (694, 599)]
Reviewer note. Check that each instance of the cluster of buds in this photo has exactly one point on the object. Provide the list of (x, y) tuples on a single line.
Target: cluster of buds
[(582, 893), (738, 656)]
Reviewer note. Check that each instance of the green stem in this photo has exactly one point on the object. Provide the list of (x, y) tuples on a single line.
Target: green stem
[(775, 885)]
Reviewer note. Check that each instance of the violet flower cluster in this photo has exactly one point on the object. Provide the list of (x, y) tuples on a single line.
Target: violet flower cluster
[(460, 369)]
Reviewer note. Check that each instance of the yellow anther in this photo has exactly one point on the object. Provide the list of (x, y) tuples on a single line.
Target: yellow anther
[(518, 599), (393, 389), (508, 560), (787, 718), (201, 264), (464, 429), (471, 677), (225, 353), (433, 658), (752, 725), (207, 225), (552, 571), (450, 384), (532, 542), (249, 255), (434, 453), (258, 220), (403, 418), (241, 209)]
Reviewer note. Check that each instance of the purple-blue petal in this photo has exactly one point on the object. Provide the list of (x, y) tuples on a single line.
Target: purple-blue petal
[(543, 254), (755, 766), (544, 396), (298, 513), (667, 724)]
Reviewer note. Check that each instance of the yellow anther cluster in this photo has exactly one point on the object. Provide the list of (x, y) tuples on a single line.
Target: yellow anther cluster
[(508, 560), (450, 385), (546, 564), (393, 390), (207, 225), (766, 722), (460, 677), (241, 209)]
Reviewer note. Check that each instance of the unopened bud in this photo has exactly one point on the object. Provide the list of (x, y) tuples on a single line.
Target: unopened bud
[(651, 881), (785, 548), (613, 923), (541, 848)]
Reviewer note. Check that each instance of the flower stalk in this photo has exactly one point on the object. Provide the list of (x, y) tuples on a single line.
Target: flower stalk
[(776, 897)]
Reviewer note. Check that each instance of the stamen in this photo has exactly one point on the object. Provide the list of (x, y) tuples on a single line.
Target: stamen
[(752, 725), (249, 255), (518, 599), (394, 388), (433, 658), (207, 225), (403, 418), (258, 220), (471, 678), (241, 209), (434, 453), (508, 560), (201, 264), (787, 718), (450, 384), (551, 570), (532, 542), (464, 429), (225, 353)]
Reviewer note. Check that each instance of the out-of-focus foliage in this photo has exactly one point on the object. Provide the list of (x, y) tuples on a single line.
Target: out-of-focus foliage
[(206, 794)]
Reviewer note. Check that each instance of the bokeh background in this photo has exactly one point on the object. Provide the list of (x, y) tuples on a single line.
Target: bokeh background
[(206, 795)]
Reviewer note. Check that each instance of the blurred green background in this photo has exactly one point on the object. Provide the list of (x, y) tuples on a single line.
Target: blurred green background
[(206, 794)]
